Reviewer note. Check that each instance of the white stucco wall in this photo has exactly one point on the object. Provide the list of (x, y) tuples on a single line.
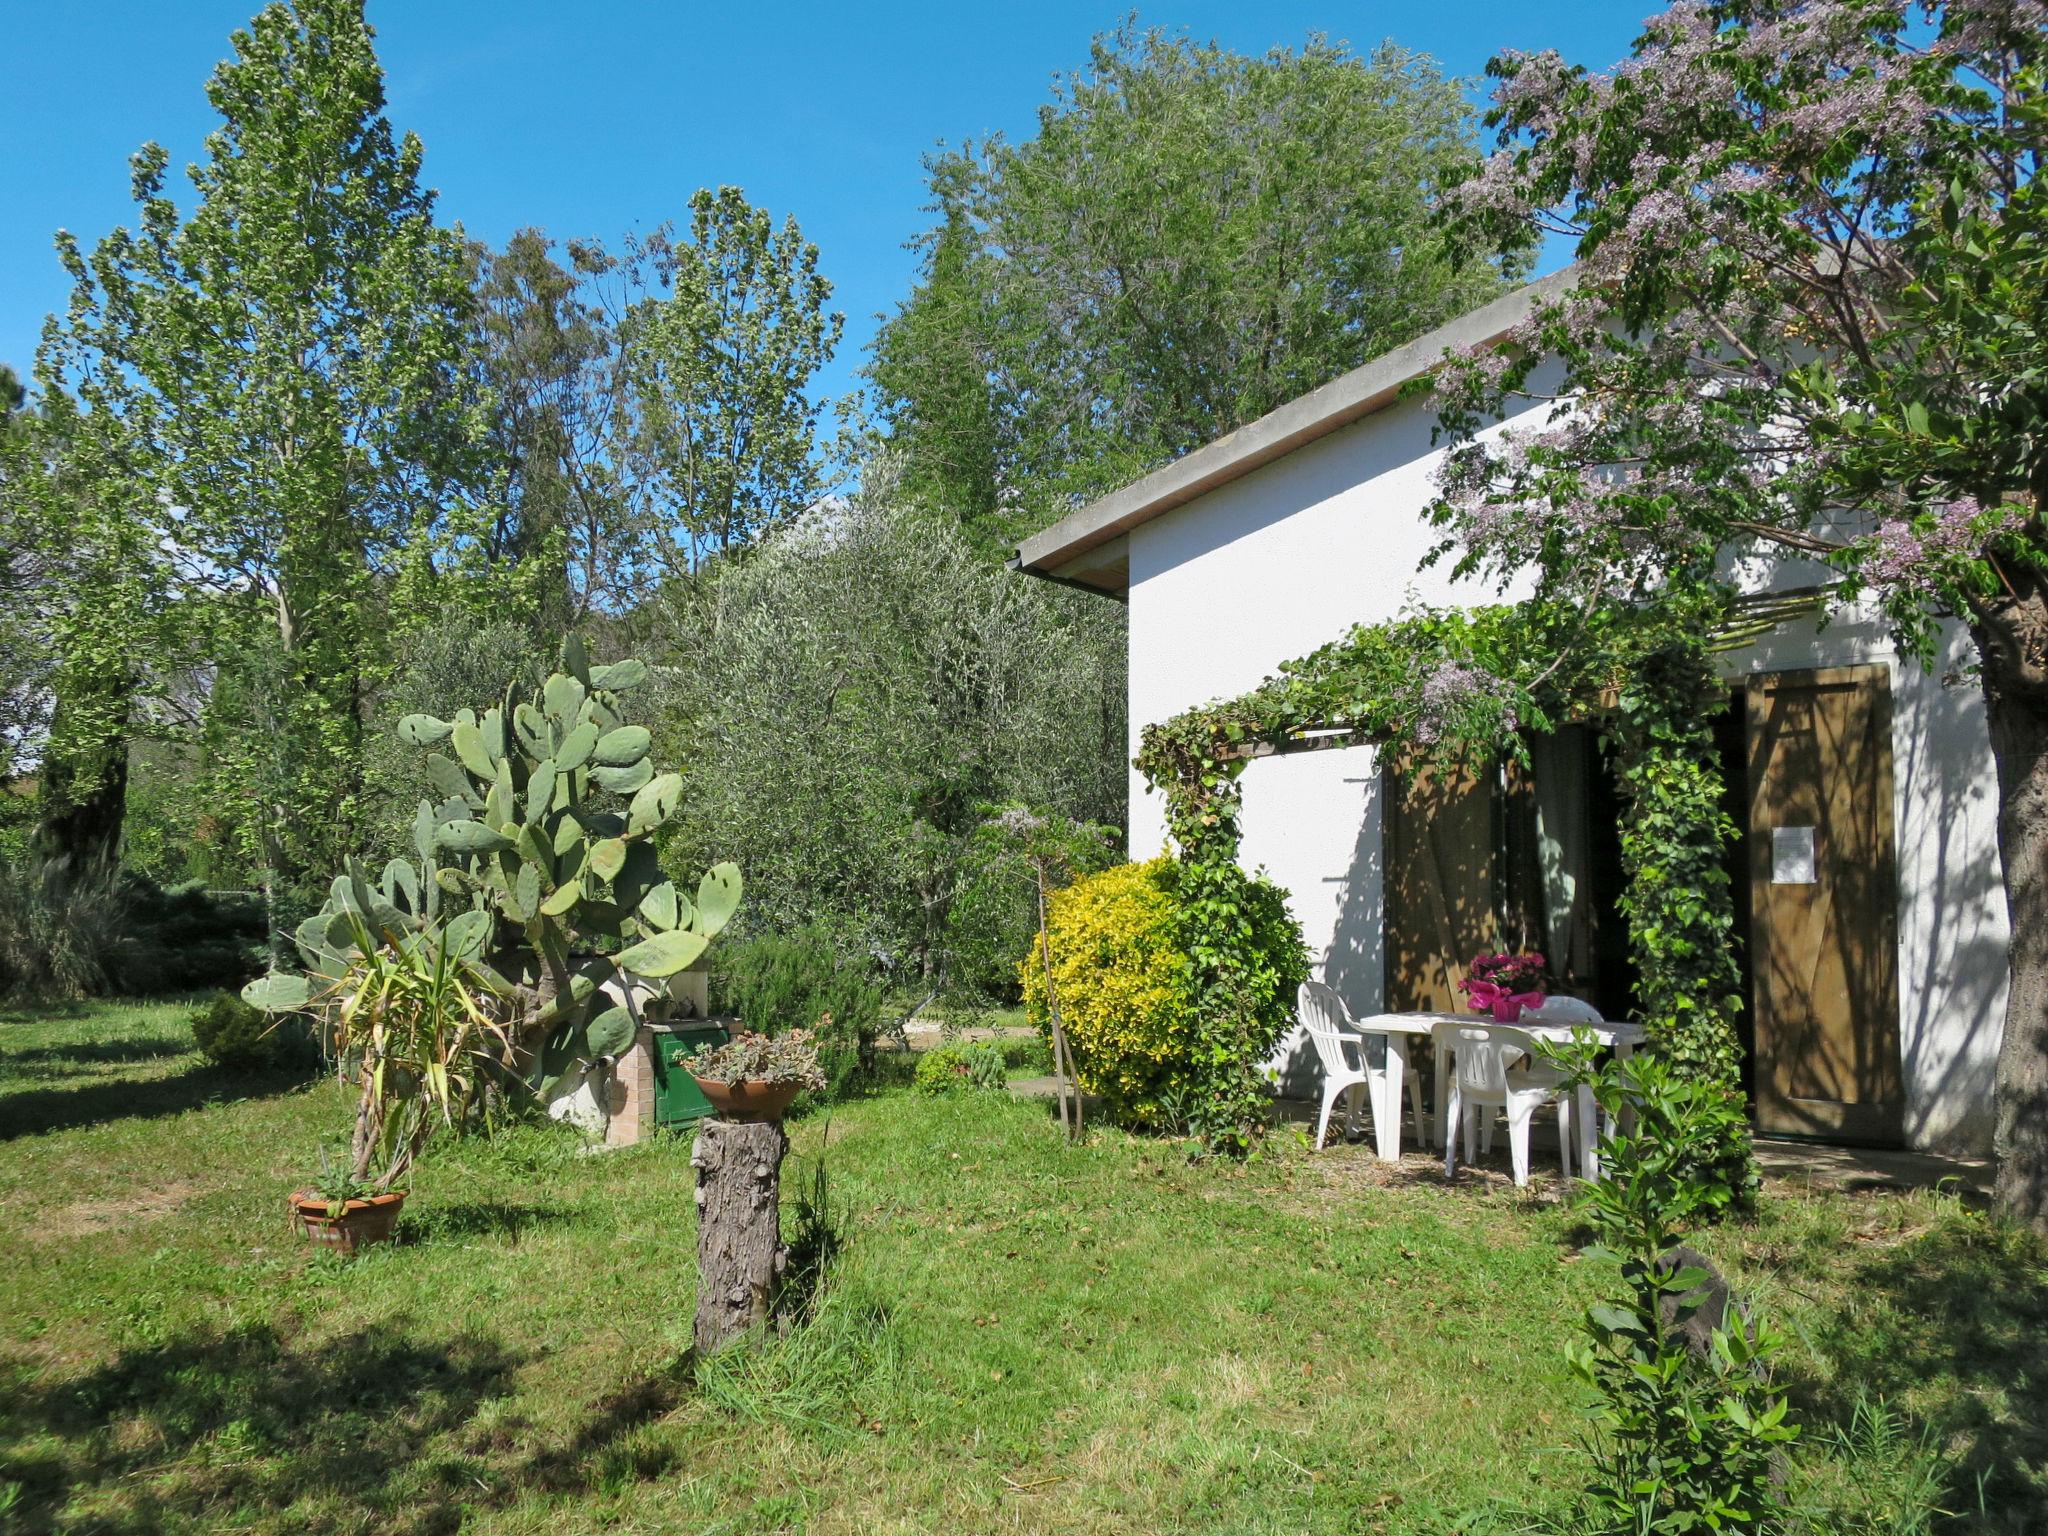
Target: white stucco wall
[(1259, 571), (1270, 566)]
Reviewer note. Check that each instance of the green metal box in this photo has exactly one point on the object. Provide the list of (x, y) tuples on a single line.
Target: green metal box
[(677, 1101)]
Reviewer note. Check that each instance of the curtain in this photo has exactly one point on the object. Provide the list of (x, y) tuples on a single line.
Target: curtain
[(1562, 765)]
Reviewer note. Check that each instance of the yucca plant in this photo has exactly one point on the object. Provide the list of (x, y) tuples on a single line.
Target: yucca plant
[(413, 1023)]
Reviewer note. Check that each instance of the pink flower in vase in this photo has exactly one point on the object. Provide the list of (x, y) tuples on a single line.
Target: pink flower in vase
[(1483, 996), (1503, 985)]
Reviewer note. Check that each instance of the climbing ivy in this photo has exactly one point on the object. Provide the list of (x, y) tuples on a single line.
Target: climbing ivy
[(1441, 688), (1677, 901)]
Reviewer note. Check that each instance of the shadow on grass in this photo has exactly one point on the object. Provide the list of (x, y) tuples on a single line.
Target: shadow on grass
[(1958, 1316), (42, 1013), (88, 1052), (434, 1222), (99, 1102), (219, 1425), (600, 1448)]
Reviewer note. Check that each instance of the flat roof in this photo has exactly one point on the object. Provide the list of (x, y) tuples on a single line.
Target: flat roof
[(1088, 548)]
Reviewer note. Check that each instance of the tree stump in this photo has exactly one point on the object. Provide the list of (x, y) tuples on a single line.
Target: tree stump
[(1694, 1315), (740, 1255)]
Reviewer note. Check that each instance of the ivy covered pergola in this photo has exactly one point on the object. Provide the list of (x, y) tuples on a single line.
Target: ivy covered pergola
[(1445, 689)]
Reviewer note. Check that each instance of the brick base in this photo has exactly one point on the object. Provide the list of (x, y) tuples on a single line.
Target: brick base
[(632, 1118)]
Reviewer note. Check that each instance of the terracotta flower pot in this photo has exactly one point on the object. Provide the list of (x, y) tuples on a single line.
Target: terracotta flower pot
[(361, 1222), (755, 1098)]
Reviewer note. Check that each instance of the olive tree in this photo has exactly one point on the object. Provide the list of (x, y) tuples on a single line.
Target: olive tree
[(850, 694)]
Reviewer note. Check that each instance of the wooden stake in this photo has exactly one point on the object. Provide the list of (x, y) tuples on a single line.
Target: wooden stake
[(1062, 1057)]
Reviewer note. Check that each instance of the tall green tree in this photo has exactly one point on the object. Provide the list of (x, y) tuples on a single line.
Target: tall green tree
[(1807, 343), (1192, 238), (653, 402), (102, 609), (24, 648), (931, 364), (549, 356), (21, 654), (717, 432), (286, 365), (90, 630)]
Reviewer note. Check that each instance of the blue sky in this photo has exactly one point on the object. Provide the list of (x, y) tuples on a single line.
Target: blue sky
[(592, 117)]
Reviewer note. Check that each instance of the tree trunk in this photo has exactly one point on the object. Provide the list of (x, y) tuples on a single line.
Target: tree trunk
[(740, 1255), (84, 788), (2010, 642)]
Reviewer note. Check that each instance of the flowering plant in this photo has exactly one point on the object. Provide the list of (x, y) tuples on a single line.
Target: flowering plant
[(1503, 985)]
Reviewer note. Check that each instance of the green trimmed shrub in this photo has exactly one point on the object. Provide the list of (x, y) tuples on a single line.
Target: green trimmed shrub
[(58, 937), (234, 1036), (975, 1066), (100, 931), (778, 982), (185, 939)]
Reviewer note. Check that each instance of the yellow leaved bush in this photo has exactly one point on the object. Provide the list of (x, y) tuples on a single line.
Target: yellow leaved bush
[(1126, 990)]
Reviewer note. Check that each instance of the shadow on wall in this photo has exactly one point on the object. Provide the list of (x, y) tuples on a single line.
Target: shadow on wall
[(1952, 942), (1353, 962)]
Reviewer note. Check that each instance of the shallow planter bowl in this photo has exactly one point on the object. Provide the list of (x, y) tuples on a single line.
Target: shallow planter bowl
[(754, 1098), (361, 1222)]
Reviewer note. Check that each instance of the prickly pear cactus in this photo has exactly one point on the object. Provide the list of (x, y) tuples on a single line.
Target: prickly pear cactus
[(538, 856)]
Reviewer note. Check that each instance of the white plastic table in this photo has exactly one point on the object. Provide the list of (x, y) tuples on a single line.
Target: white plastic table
[(1398, 1028)]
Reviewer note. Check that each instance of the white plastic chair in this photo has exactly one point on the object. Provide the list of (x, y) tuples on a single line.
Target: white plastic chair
[(1494, 1066), (1569, 1011), (1564, 1010), (1323, 1011)]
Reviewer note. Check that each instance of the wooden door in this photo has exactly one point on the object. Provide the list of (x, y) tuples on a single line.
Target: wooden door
[(1438, 884), (1824, 905)]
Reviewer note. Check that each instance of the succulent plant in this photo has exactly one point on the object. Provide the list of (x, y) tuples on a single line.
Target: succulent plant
[(538, 848), (791, 1057)]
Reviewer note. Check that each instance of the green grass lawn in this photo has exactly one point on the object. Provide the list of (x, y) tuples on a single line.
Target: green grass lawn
[(1018, 1335)]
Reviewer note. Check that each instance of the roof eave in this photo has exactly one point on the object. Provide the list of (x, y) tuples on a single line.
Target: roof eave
[(1058, 553)]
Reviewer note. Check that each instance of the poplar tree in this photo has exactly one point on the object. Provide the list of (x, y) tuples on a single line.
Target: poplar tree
[(284, 370)]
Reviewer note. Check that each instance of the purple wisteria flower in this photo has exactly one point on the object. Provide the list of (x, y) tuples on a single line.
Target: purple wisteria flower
[(1452, 690), (1909, 557)]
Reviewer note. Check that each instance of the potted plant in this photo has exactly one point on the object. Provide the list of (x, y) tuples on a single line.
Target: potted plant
[(413, 1020), (1504, 985), (755, 1077), (339, 1210)]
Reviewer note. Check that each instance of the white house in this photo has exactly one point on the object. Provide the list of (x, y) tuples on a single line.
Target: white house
[(1868, 877)]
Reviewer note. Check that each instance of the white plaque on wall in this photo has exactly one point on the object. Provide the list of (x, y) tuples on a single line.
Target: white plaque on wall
[(1792, 856)]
